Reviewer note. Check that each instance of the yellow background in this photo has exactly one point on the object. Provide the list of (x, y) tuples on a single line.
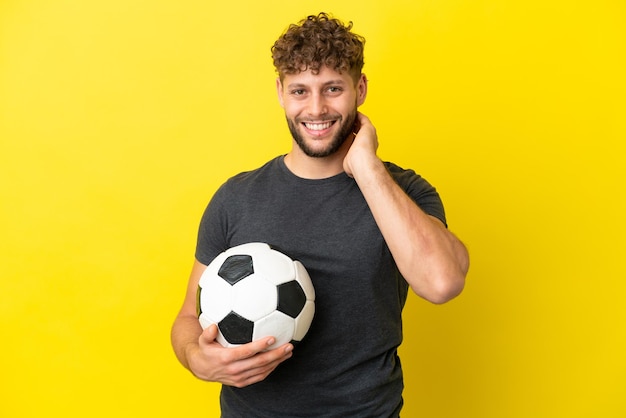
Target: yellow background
[(120, 118)]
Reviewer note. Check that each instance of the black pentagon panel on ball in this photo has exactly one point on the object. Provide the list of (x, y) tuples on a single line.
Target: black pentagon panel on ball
[(291, 298), (236, 268), (236, 329)]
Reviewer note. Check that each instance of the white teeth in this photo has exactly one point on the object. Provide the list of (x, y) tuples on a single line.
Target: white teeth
[(318, 126)]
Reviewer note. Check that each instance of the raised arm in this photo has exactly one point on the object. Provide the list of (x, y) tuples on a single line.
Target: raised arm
[(432, 260)]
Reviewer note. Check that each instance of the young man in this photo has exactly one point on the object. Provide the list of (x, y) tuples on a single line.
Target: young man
[(366, 231)]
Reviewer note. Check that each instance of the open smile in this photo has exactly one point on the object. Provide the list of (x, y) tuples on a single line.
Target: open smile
[(318, 128)]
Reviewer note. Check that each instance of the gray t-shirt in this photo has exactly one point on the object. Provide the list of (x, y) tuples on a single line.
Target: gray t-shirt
[(347, 365)]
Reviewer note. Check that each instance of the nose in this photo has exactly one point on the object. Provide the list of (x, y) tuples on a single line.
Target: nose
[(317, 105)]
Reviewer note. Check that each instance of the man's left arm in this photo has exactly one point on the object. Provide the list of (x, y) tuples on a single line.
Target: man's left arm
[(431, 258)]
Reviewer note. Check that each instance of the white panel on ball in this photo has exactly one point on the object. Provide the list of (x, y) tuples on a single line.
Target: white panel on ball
[(277, 269), (302, 277), (217, 299), (303, 321), (254, 297), (277, 325)]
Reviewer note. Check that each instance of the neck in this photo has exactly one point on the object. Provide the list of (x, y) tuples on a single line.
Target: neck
[(314, 168)]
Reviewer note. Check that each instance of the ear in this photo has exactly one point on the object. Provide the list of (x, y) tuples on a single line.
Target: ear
[(361, 90), (279, 91)]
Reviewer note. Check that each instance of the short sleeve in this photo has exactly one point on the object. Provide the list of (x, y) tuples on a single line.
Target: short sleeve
[(420, 190)]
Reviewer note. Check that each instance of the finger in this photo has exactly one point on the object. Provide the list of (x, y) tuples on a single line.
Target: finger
[(250, 370), (251, 349), (273, 358), (363, 120), (265, 361), (259, 367)]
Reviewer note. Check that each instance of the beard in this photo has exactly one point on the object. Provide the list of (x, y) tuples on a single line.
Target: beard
[(344, 132)]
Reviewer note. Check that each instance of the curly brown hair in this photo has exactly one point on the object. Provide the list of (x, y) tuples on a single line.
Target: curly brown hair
[(319, 41)]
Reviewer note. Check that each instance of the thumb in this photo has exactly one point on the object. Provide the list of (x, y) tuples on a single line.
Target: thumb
[(209, 334)]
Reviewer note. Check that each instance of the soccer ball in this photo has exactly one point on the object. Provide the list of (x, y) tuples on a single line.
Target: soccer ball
[(252, 291)]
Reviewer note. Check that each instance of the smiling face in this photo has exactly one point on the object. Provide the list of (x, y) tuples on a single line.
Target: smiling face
[(321, 108)]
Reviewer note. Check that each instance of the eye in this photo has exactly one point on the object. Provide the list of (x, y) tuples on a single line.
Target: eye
[(334, 90), (297, 92)]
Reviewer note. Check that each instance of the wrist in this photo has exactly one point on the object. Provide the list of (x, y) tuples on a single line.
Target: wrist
[(189, 353), (366, 164)]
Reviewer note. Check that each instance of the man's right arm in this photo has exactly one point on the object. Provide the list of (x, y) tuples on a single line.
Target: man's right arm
[(208, 360)]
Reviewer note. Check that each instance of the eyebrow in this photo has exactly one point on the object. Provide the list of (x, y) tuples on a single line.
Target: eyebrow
[(302, 85)]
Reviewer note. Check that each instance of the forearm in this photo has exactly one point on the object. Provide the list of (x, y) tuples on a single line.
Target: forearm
[(185, 333), (186, 330)]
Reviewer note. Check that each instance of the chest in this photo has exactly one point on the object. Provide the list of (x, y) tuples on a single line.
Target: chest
[(331, 230)]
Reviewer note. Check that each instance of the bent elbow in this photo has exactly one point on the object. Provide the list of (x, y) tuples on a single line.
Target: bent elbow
[(447, 292), (444, 289), (451, 281)]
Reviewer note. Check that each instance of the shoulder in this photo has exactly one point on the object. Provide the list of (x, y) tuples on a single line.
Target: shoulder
[(254, 178), (272, 167)]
